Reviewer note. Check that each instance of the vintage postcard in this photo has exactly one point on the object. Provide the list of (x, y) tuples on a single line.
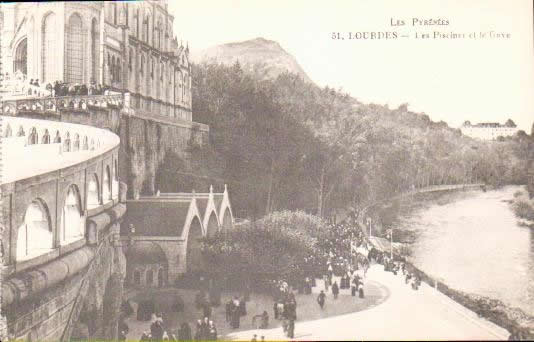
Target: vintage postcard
[(267, 170)]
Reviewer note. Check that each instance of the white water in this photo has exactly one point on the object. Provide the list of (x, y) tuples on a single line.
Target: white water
[(474, 244)]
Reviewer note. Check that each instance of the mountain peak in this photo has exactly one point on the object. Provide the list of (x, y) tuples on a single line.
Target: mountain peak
[(252, 52)]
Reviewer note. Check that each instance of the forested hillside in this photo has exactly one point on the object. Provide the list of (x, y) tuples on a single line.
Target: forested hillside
[(287, 144)]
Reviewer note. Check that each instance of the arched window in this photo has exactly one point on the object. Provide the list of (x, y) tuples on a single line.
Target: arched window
[(50, 50), (7, 132), (46, 137), (162, 71), (106, 186), (21, 57), (161, 277), (149, 277), (112, 69), (137, 277), (93, 192), (183, 88), (85, 145), (147, 28), (74, 56), (151, 67), (159, 34), (130, 57), (72, 222), (143, 30), (126, 13), (142, 63), (137, 23), (115, 181), (94, 49), (34, 234), (20, 132), (33, 138), (114, 13)]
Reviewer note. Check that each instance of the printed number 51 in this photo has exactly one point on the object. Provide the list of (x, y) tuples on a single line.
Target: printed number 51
[(336, 35)]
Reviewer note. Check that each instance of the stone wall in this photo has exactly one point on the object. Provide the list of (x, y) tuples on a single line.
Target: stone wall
[(145, 140), (144, 144), (52, 315)]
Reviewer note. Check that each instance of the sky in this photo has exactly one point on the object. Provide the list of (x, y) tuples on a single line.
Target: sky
[(481, 80)]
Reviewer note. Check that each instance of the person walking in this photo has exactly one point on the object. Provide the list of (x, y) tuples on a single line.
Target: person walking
[(184, 334), (156, 329), (335, 289), (236, 317), (198, 332), (291, 328), (360, 290), (206, 309), (228, 309), (321, 299), (242, 306), (212, 331)]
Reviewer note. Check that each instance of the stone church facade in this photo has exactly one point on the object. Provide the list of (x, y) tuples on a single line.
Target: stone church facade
[(127, 46)]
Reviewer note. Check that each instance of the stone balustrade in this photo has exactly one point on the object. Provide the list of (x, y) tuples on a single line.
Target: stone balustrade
[(14, 87), (32, 147), (55, 104)]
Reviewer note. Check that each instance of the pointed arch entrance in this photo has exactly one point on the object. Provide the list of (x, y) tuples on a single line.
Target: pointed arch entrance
[(194, 252), (213, 225), (21, 57)]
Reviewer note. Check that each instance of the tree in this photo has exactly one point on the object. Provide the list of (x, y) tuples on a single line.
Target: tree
[(510, 123)]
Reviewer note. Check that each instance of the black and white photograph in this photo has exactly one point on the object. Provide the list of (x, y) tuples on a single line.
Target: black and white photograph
[(267, 170)]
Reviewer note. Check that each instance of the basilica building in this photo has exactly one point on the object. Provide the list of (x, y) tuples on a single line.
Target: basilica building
[(126, 46)]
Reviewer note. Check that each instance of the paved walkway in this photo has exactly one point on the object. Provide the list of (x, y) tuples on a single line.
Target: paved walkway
[(425, 314), (307, 309)]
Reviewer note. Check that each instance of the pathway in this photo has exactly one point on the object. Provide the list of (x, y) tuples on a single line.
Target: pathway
[(425, 314)]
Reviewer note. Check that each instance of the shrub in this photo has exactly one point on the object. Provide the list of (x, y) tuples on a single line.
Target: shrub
[(277, 245), (524, 210)]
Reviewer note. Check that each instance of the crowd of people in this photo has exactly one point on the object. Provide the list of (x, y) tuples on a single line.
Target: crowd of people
[(158, 331), (205, 331), (396, 267), (66, 89), (341, 265), (57, 88)]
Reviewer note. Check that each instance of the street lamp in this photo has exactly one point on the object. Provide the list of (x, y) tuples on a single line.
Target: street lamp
[(390, 234), (370, 223)]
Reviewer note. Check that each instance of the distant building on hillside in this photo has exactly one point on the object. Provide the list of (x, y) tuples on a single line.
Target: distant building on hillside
[(489, 130)]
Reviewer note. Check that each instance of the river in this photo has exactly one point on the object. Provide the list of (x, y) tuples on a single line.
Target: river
[(473, 242)]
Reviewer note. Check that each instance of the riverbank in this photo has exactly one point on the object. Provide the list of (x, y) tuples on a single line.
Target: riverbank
[(523, 208), (514, 320), (447, 249)]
